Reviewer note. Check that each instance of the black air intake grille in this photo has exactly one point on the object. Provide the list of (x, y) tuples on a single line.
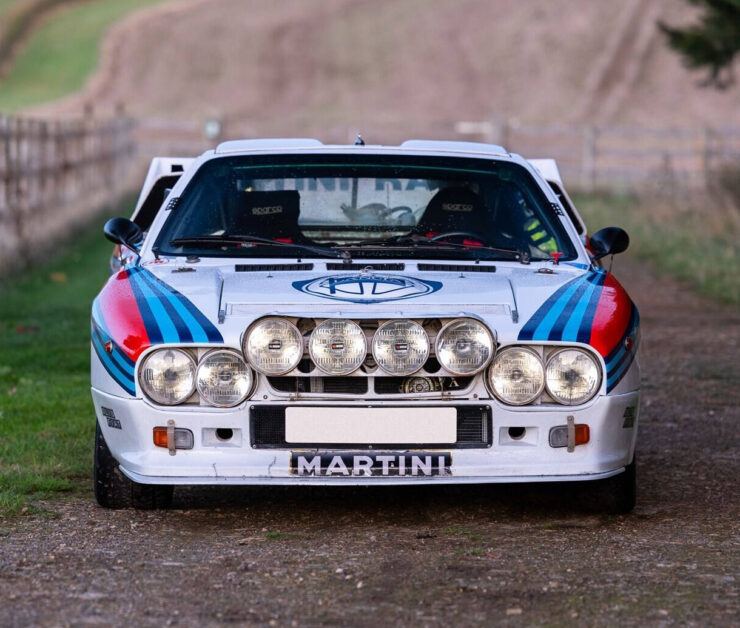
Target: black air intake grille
[(335, 266), (457, 268), (267, 428), (333, 385), (255, 268)]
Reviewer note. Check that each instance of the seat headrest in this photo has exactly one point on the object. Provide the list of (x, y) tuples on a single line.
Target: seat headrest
[(454, 209), (269, 214)]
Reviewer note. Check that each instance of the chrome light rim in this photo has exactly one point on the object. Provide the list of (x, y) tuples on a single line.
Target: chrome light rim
[(491, 353), (593, 359), (534, 397), (237, 355), (245, 344), (394, 322), (142, 368)]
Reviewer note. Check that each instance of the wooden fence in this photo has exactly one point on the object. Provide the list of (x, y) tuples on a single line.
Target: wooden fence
[(592, 157), (54, 175)]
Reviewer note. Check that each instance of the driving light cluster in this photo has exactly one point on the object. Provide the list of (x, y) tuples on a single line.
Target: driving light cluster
[(274, 346), (170, 376), (518, 376)]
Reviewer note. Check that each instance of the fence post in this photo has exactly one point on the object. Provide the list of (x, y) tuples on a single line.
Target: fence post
[(588, 158)]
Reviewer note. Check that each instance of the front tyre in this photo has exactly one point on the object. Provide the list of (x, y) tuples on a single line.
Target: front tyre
[(114, 490), (618, 494)]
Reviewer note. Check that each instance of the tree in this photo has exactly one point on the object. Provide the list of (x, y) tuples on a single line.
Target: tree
[(712, 42)]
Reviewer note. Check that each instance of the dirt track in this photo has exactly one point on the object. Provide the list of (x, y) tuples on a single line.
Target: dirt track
[(513, 555), (400, 68)]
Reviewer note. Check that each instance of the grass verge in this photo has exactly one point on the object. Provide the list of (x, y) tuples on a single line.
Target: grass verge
[(47, 423), (62, 52), (694, 240)]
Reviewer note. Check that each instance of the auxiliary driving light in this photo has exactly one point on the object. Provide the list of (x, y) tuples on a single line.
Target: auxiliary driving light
[(464, 346), (273, 346), (400, 347), (338, 347)]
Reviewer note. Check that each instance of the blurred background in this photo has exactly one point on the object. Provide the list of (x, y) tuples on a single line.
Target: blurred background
[(91, 90)]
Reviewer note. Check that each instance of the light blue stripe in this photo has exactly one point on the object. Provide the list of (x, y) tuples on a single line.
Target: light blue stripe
[(162, 319), (196, 329), (115, 372), (570, 332), (98, 316), (545, 327)]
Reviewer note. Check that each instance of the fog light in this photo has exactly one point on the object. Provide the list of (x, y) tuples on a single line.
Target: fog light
[(559, 435), (183, 438)]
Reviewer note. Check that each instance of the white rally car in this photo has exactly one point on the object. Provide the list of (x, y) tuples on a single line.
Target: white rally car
[(356, 315)]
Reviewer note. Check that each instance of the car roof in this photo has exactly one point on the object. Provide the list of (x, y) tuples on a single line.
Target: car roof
[(473, 149)]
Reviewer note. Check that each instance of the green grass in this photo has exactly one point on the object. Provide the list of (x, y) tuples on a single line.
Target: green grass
[(47, 422), (61, 53), (692, 241)]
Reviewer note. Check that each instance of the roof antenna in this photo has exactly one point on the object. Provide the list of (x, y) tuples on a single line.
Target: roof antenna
[(359, 141)]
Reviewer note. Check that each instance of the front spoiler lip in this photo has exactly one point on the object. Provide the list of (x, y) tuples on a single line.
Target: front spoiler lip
[(360, 481)]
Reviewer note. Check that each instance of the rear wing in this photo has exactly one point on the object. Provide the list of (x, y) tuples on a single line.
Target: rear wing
[(550, 172), (162, 175)]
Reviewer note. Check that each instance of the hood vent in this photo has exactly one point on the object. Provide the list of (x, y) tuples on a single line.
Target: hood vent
[(257, 268), (457, 268), (336, 266)]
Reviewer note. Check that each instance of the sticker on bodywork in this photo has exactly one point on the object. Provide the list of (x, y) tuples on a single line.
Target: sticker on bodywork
[(367, 287), (323, 464)]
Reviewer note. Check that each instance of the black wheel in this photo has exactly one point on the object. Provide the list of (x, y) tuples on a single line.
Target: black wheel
[(618, 494), (114, 490)]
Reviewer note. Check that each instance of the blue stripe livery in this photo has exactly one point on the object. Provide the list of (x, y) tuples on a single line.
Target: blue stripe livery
[(168, 316), (119, 366), (568, 313), (620, 358)]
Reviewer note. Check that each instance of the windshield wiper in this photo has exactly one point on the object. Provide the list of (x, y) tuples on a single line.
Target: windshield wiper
[(225, 240), (415, 239)]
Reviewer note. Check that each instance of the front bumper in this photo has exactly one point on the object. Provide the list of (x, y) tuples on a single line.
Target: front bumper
[(127, 426)]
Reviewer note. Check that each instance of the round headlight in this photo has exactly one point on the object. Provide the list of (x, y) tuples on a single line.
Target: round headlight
[(464, 346), (572, 376), (338, 347), (273, 346), (517, 376), (167, 376), (400, 347), (223, 379)]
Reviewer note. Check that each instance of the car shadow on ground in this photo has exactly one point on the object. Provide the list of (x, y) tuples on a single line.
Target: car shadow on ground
[(413, 505)]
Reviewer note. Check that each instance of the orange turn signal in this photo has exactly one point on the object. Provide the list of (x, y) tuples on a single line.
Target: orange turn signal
[(583, 434), (160, 436)]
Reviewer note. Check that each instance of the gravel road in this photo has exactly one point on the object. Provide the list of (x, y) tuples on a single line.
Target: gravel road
[(518, 555)]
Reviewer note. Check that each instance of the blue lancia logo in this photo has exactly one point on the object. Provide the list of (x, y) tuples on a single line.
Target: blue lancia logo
[(367, 288)]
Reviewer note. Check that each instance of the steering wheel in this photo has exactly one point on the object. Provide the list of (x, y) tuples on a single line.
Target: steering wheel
[(460, 234)]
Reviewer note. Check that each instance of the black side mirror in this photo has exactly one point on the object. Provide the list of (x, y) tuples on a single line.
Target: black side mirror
[(609, 241), (124, 231)]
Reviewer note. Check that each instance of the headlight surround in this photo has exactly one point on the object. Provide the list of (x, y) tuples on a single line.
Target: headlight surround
[(337, 346), (273, 346), (464, 346), (517, 376), (223, 379), (572, 376), (167, 376), (400, 347)]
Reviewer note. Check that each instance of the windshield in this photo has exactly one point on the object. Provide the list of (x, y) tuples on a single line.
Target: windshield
[(368, 205)]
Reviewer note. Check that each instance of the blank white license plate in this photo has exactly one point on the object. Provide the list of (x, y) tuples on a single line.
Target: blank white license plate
[(370, 426)]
